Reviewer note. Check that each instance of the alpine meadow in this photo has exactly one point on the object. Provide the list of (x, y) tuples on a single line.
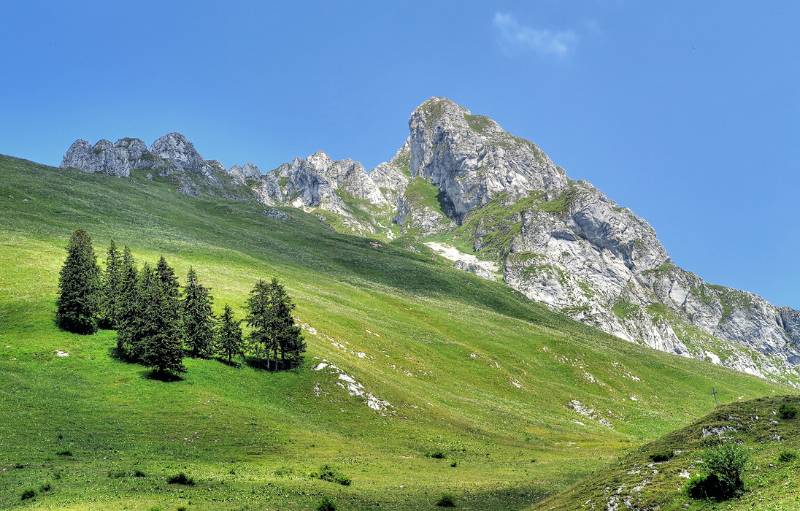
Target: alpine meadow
[(464, 325)]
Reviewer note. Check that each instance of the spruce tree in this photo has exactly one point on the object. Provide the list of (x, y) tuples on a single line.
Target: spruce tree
[(79, 287), (229, 341), (109, 307), (274, 331), (161, 343), (260, 320), (128, 303), (197, 317), (144, 322), (290, 340)]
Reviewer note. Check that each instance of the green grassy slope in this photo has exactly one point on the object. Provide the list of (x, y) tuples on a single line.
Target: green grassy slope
[(771, 484), (470, 368)]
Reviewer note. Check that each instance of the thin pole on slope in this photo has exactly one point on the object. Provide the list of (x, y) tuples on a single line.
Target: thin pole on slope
[(714, 393)]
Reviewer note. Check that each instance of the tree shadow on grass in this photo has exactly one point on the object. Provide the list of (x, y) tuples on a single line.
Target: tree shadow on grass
[(164, 376), (260, 363), (514, 498), (114, 353), (229, 363)]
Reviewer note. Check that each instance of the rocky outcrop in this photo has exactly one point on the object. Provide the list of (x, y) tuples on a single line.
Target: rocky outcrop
[(471, 159), (117, 159), (318, 182), (566, 244), (170, 155), (245, 173)]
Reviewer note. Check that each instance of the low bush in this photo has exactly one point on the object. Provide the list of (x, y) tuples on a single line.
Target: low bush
[(64, 453), (181, 478), (326, 504), (787, 411), (787, 456), (327, 473), (437, 455), (724, 465), (704, 487), (138, 473), (28, 494), (446, 501), (46, 487), (662, 456)]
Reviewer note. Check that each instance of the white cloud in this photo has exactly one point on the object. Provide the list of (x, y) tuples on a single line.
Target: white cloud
[(550, 43)]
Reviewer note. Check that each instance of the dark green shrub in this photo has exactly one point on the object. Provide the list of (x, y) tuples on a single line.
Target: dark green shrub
[(723, 479), (454, 464), (28, 494), (138, 473), (64, 453), (446, 501), (327, 473), (181, 478), (787, 456), (662, 456), (46, 487), (437, 455), (326, 504), (787, 411), (704, 487)]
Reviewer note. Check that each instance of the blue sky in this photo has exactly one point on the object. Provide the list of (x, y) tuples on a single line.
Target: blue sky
[(684, 111)]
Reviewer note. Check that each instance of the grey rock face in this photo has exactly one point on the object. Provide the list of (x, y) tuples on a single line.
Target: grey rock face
[(176, 149), (392, 177), (170, 155), (244, 173), (472, 159), (790, 320), (581, 253), (319, 181), (116, 159), (337, 186)]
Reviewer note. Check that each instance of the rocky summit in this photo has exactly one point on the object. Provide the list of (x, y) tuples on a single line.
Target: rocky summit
[(497, 205)]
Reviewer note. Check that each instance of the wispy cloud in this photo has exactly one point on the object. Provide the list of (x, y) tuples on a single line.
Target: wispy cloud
[(546, 42)]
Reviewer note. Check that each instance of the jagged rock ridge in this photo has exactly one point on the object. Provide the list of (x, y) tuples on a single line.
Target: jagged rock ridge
[(461, 177)]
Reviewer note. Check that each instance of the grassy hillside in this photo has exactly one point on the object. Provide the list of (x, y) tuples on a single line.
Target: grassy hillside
[(470, 368), (770, 481)]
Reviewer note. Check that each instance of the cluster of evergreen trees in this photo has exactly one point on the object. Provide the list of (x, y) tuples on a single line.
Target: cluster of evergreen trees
[(158, 325)]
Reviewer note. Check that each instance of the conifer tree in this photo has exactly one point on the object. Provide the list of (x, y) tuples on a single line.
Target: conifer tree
[(290, 340), (161, 340), (229, 341), (274, 331), (197, 317), (109, 309), (259, 319), (145, 314), (128, 303), (79, 287)]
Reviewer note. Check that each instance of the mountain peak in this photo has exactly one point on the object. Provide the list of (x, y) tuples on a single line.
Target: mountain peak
[(243, 173), (177, 149)]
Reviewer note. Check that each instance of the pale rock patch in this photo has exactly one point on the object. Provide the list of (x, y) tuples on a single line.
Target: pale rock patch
[(354, 388), (466, 262), (588, 412)]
